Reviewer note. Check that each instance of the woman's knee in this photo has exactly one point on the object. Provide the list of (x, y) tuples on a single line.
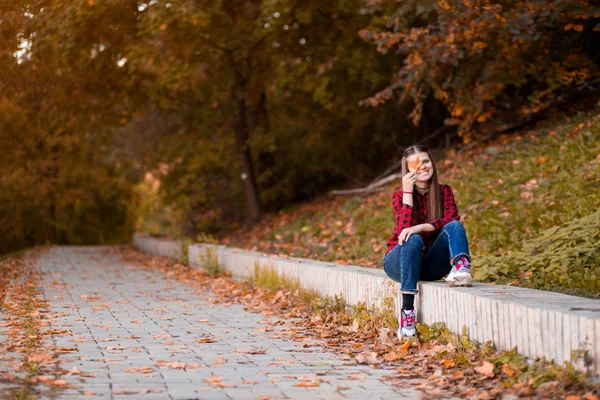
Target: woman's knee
[(454, 225), (391, 265), (414, 243)]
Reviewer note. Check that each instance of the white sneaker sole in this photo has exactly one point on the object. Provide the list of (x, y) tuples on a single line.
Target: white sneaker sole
[(463, 280), (402, 335)]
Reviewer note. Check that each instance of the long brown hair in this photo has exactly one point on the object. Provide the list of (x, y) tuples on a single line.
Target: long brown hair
[(435, 203)]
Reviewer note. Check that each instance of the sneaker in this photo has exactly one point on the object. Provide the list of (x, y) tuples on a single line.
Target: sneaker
[(408, 324), (460, 275)]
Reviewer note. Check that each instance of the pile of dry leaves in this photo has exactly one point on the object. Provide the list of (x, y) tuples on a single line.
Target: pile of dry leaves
[(31, 364)]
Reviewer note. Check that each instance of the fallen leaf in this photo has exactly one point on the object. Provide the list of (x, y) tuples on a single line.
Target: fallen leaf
[(508, 370), (213, 379), (206, 340), (144, 370), (486, 369), (308, 384), (176, 365), (392, 356), (458, 375), (74, 371), (251, 351)]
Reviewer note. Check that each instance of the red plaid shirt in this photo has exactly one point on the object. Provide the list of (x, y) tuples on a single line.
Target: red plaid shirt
[(407, 216)]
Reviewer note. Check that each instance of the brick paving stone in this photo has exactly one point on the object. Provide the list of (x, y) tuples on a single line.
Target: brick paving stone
[(122, 316)]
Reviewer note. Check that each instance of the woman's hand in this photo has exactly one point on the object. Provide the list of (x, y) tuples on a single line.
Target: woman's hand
[(407, 232), (408, 182)]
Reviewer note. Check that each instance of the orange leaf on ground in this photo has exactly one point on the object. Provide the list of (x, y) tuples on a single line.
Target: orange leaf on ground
[(308, 384), (74, 371), (486, 369), (508, 370), (213, 379), (176, 365), (251, 351), (143, 370), (404, 348), (392, 356), (449, 363), (206, 340), (223, 385)]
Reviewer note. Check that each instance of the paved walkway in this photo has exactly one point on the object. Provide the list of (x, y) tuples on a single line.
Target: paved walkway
[(147, 337)]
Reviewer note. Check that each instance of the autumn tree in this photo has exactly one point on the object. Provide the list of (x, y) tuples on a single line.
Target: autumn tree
[(284, 79), (59, 183), (493, 64)]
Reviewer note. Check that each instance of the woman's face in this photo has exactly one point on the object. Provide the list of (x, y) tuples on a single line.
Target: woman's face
[(425, 170)]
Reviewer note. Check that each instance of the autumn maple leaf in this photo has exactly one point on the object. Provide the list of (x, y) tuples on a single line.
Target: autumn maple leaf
[(415, 164)]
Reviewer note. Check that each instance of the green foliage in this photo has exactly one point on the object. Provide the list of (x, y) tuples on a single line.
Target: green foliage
[(435, 331), (152, 214), (184, 246), (388, 314), (328, 305), (210, 261), (565, 259)]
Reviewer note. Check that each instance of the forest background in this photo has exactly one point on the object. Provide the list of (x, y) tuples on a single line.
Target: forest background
[(221, 111)]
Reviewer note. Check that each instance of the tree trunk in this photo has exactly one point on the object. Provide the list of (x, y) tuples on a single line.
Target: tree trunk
[(242, 135)]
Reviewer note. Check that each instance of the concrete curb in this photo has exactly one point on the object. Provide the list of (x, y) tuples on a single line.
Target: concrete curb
[(537, 323)]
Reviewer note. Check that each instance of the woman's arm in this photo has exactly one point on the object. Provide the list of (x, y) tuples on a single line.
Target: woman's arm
[(402, 211)]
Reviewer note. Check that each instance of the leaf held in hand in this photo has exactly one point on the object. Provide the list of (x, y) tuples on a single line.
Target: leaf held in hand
[(415, 164)]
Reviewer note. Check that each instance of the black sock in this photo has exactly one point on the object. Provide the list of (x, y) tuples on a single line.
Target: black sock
[(408, 301)]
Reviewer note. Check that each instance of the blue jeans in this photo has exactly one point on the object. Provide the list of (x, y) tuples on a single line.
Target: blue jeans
[(405, 263)]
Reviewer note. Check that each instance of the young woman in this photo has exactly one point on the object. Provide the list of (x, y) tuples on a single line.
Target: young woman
[(428, 242)]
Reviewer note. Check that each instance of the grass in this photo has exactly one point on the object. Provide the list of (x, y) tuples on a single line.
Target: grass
[(514, 195), (210, 261), (268, 278)]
